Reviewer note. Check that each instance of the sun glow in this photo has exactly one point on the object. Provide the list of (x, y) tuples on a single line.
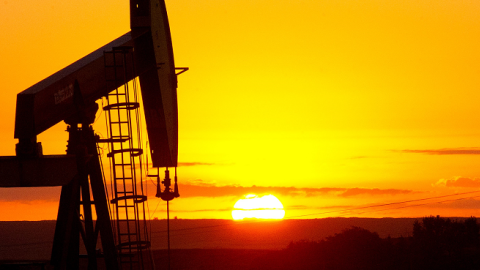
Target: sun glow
[(252, 206)]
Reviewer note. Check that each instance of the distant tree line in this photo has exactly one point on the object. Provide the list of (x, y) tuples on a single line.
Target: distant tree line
[(437, 243)]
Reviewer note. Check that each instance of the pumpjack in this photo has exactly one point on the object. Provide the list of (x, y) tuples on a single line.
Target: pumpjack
[(144, 54)]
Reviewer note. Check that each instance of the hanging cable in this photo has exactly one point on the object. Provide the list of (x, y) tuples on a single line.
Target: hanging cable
[(167, 195), (168, 234)]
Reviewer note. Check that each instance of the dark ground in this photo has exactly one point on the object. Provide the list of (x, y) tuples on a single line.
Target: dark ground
[(32, 240), (181, 259), (208, 244)]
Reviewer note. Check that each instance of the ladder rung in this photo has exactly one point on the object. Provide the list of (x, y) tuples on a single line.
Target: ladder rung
[(122, 106), (133, 151), (137, 244), (112, 140), (136, 198), (120, 137)]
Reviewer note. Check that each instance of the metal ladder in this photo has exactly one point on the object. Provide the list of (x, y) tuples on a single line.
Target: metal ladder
[(125, 151)]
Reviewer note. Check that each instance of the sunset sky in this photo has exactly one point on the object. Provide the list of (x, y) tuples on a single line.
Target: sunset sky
[(333, 106)]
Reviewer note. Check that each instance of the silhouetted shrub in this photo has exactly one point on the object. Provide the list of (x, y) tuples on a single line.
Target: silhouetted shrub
[(437, 243), (354, 248), (442, 243)]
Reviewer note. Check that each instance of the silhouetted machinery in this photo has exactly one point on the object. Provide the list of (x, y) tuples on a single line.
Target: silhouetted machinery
[(109, 73)]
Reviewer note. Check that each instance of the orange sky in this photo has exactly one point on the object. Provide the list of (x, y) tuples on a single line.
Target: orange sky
[(329, 105)]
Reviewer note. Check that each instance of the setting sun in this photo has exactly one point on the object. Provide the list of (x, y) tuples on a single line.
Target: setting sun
[(252, 206)]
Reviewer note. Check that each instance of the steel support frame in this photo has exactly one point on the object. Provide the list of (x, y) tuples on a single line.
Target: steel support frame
[(70, 228)]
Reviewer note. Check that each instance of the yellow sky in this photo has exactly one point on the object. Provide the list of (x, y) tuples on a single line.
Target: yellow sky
[(281, 93)]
